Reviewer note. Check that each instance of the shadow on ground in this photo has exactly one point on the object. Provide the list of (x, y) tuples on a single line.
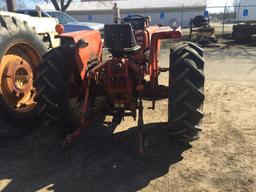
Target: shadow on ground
[(94, 162), (233, 50)]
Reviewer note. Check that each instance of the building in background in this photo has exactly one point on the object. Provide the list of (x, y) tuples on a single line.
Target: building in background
[(246, 10), (161, 11)]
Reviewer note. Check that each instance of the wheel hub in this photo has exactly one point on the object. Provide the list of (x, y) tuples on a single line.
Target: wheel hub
[(21, 78), (17, 80)]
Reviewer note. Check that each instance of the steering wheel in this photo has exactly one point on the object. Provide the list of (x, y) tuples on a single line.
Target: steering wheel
[(130, 17), (137, 21)]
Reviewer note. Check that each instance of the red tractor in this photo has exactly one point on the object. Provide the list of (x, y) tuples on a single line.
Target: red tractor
[(75, 85)]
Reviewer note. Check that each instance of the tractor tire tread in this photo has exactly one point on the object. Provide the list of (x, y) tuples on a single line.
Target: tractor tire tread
[(51, 82), (14, 30), (186, 94)]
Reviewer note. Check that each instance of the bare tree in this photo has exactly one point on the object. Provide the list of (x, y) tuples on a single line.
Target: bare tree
[(61, 5)]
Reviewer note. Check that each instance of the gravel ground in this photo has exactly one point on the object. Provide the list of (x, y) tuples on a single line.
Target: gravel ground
[(222, 160)]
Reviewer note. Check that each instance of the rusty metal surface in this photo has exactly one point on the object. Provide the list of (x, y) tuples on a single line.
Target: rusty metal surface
[(91, 52), (16, 72), (123, 78)]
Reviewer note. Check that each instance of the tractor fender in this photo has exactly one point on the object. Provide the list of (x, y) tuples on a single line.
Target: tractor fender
[(84, 55), (160, 34)]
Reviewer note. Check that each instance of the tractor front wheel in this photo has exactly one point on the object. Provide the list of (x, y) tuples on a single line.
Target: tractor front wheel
[(186, 92)]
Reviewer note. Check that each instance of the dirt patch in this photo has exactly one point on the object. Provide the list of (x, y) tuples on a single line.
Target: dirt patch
[(223, 160)]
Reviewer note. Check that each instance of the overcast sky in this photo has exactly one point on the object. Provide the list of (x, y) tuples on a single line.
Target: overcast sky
[(211, 3)]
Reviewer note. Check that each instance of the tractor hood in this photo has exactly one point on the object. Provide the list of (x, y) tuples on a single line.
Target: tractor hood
[(79, 26)]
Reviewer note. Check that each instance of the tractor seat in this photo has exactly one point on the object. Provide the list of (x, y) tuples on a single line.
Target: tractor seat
[(120, 40)]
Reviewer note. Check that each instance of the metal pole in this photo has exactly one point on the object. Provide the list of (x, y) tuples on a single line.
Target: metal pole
[(238, 13), (182, 15), (11, 5), (223, 25), (191, 28)]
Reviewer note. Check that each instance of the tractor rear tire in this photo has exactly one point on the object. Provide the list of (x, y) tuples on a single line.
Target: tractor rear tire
[(186, 92), (54, 104), (21, 52)]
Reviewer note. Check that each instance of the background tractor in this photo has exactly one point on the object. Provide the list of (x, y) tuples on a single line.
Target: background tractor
[(202, 30), (75, 85), (23, 41)]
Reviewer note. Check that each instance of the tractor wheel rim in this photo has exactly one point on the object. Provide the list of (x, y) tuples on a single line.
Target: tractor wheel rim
[(16, 72)]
